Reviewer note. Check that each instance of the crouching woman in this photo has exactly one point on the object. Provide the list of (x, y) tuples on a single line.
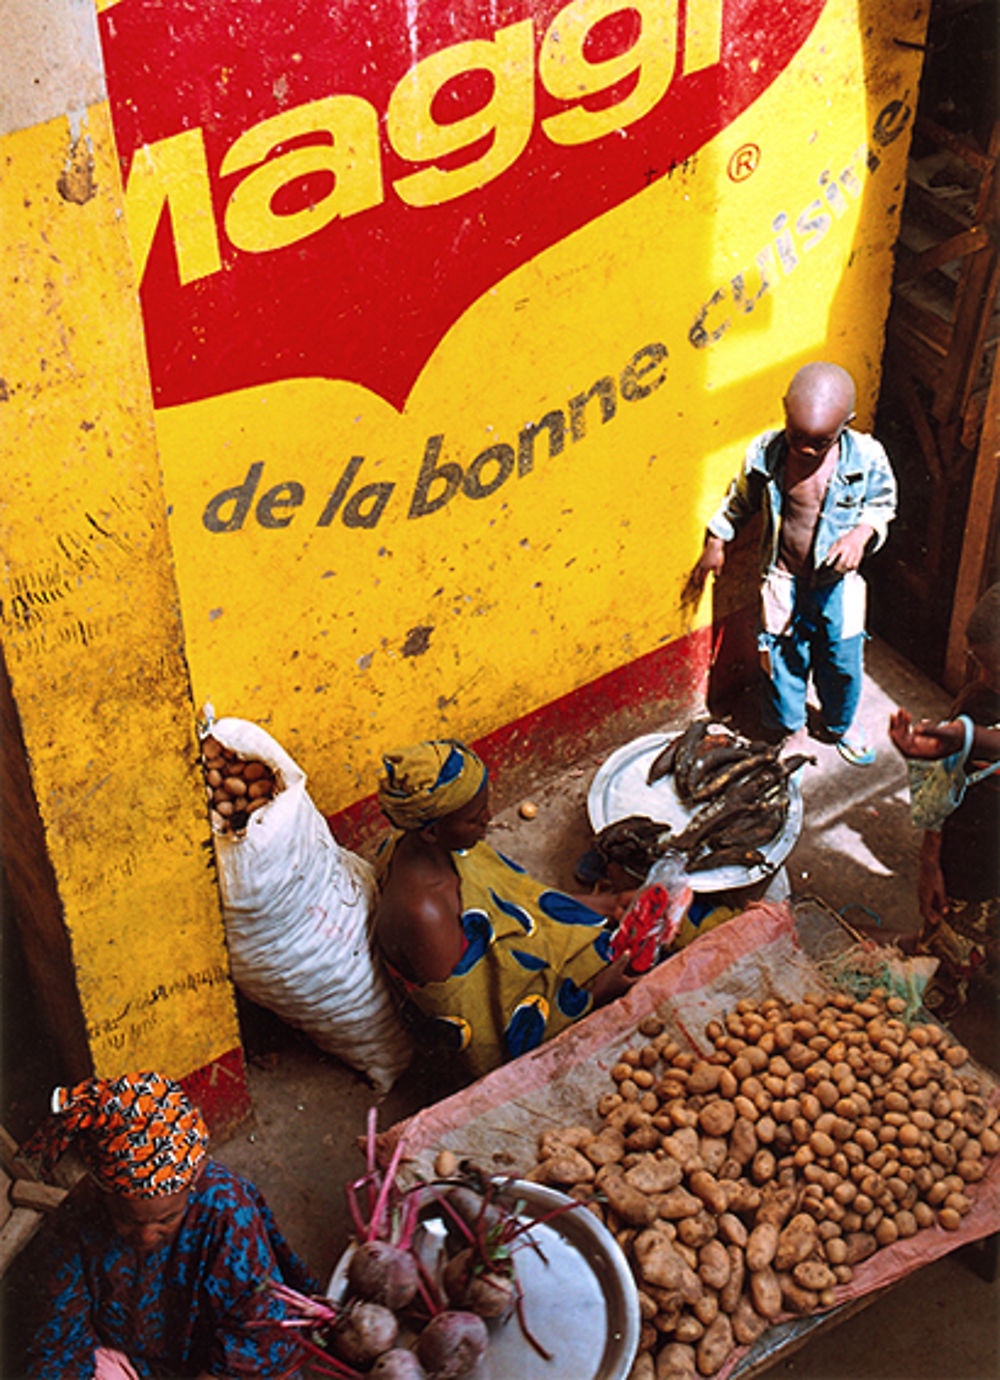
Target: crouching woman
[(158, 1267)]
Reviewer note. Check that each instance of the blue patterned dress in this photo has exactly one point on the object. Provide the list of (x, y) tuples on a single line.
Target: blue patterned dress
[(183, 1308)]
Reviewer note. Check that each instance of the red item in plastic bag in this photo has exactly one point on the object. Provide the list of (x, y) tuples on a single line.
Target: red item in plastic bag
[(641, 930)]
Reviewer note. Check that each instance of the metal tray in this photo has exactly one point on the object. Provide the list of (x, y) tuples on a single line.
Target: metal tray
[(619, 789), (580, 1298)]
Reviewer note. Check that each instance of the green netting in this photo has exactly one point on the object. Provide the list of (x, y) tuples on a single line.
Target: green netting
[(866, 969)]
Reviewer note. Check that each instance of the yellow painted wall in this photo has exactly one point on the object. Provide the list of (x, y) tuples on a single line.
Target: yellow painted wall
[(346, 639), (91, 624)]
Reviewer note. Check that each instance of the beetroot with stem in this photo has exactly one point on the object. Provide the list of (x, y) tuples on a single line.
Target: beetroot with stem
[(364, 1332), (391, 1213), (383, 1273), (452, 1345), (489, 1293), (494, 1231)]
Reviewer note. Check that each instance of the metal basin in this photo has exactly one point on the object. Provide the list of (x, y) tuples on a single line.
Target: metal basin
[(580, 1299)]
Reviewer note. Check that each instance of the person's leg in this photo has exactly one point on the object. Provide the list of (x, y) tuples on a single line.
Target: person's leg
[(838, 662), (783, 651), (837, 671), (784, 664)]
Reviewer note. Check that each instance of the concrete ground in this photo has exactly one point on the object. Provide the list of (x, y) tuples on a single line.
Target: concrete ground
[(858, 853)]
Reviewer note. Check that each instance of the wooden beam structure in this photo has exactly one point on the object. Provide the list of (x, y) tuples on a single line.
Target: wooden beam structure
[(980, 560)]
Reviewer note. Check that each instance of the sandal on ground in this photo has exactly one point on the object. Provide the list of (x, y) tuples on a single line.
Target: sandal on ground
[(943, 1001), (859, 754), (590, 868)]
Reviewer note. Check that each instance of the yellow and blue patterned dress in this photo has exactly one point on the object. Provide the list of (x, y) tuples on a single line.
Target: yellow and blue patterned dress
[(529, 953)]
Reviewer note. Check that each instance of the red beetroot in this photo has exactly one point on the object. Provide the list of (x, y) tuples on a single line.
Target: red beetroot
[(383, 1273), (487, 1293), (397, 1364), (452, 1345), (366, 1330)]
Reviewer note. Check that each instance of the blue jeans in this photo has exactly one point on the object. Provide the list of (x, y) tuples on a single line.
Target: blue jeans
[(813, 643)]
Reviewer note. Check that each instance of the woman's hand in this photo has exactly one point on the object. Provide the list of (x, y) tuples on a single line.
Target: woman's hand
[(621, 901), (611, 904), (612, 982)]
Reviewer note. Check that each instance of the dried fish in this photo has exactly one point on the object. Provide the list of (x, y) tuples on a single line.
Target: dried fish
[(633, 843), (726, 857), (706, 823), (663, 763), (732, 771), (714, 751), (790, 765), (740, 789), (749, 828), (686, 749)]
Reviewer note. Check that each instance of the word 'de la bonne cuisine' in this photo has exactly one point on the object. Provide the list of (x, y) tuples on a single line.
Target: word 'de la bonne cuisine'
[(438, 481), (338, 136)]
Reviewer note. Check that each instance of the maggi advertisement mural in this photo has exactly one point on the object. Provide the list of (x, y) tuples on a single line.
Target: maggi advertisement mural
[(459, 317)]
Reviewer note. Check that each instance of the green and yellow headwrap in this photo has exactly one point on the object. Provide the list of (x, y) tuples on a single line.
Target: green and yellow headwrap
[(428, 781)]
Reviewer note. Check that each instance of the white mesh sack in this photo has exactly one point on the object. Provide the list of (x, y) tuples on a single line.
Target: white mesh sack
[(298, 909)]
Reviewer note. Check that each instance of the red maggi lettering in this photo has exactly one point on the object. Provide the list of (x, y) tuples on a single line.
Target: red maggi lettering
[(331, 145)]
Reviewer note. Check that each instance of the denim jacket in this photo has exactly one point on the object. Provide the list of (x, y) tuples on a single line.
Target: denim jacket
[(862, 489)]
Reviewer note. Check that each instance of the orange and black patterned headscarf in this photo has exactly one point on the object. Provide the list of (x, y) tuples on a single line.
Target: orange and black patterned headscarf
[(140, 1135)]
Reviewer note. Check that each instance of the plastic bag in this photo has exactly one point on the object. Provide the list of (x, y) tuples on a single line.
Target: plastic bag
[(938, 787), (652, 921), (297, 909)]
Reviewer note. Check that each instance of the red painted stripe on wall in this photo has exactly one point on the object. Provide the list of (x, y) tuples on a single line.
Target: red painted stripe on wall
[(219, 1089)]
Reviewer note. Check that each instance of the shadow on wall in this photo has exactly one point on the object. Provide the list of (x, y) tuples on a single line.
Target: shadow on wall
[(30, 1065)]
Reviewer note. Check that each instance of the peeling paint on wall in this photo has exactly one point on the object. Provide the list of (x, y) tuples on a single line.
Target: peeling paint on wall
[(50, 62), (417, 641), (76, 181)]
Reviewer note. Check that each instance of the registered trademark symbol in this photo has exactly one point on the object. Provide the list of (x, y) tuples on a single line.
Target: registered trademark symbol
[(744, 162)]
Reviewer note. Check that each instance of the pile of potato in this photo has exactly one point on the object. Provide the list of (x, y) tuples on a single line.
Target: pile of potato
[(749, 1183), (235, 787)]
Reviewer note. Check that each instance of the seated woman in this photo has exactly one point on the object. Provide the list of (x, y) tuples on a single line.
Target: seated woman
[(498, 961), (158, 1269)]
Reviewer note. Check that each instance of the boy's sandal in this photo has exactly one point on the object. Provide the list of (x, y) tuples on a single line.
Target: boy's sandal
[(858, 754)]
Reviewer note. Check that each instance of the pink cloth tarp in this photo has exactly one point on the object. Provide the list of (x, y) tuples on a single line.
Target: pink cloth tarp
[(770, 950)]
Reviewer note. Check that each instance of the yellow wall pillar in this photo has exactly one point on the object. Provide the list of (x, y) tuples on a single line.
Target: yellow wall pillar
[(105, 833)]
